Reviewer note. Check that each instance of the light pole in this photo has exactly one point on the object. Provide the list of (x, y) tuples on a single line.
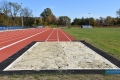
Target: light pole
[(89, 18), (21, 16), (66, 22), (35, 18)]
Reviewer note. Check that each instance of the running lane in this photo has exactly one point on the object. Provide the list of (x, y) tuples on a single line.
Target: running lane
[(12, 42), (53, 36), (59, 35), (63, 36)]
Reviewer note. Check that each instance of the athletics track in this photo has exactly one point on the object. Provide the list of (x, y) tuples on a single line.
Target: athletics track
[(13, 41)]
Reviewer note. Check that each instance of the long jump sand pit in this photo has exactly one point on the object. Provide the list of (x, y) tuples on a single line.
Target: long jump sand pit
[(60, 56)]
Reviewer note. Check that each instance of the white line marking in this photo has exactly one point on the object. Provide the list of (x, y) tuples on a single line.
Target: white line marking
[(22, 40), (49, 36), (16, 38), (57, 35), (11, 35), (65, 35), (53, 39)]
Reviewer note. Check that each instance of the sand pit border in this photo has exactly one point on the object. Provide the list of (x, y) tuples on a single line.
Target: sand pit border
[(8, 61)]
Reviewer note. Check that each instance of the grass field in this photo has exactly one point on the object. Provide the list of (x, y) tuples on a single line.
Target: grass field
[(106, 39), (60, 77)]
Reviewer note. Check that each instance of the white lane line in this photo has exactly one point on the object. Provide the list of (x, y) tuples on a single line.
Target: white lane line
[(65, 35), (49, 35), (11, 35), (16, 38), (22, 40), (53, 39), (57, 36), (21, 36)]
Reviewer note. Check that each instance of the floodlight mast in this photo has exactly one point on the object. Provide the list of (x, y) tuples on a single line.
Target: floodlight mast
[(89, 18)]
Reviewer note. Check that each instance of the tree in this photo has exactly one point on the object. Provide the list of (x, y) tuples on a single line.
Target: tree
[(101, 19), (11, 14), (48, 17), (39, 21), (76, 21), (83, 21), (47, 12), (14, 9), (26, 12), (51, 19), (108, 21), (97, 22), (92, 21), (118, 13), (115, 21), (5, 7), (64, 20)]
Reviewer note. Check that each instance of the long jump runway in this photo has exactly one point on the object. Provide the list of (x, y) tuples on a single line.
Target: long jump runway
[(52, 51)]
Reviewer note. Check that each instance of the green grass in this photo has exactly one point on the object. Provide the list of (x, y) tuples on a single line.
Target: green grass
[(106, 39), (64, 77)]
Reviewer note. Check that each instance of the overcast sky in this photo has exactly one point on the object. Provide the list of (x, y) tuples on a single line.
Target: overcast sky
[(73, 8)]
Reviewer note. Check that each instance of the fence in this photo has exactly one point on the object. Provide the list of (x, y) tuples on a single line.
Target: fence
[(10, 27)]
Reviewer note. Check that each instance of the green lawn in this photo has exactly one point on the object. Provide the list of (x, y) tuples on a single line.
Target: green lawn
[(106, 39)]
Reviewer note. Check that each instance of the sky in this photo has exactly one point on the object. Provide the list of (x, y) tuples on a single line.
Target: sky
[(73, 8)]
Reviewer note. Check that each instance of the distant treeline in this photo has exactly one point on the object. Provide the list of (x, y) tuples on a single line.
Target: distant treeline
[(104, 22)]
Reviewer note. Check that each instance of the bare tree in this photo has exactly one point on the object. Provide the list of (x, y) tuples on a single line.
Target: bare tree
[(14, 9), (26, 12), (5, 7), (118, 13), (0, 10)]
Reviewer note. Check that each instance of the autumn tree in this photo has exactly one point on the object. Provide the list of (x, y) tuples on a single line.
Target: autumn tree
[(108, 21), (92, 22), (39, 21), (48, 17), (47, 12), (64, 20)]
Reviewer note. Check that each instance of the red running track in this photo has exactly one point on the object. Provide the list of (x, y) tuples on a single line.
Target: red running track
[(13, 41)]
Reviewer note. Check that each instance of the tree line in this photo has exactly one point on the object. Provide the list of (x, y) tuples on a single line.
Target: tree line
[(101, 22), (13, 14)]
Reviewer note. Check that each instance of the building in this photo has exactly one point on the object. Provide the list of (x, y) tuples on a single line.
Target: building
[(86, 26)]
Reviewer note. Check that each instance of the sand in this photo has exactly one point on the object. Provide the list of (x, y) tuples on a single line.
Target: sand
[(60, 56)]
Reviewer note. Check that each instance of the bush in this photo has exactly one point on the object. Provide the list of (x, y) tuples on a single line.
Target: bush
[(53, 26)]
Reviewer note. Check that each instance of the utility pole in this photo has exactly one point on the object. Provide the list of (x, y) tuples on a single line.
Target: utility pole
[(89, 18)]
